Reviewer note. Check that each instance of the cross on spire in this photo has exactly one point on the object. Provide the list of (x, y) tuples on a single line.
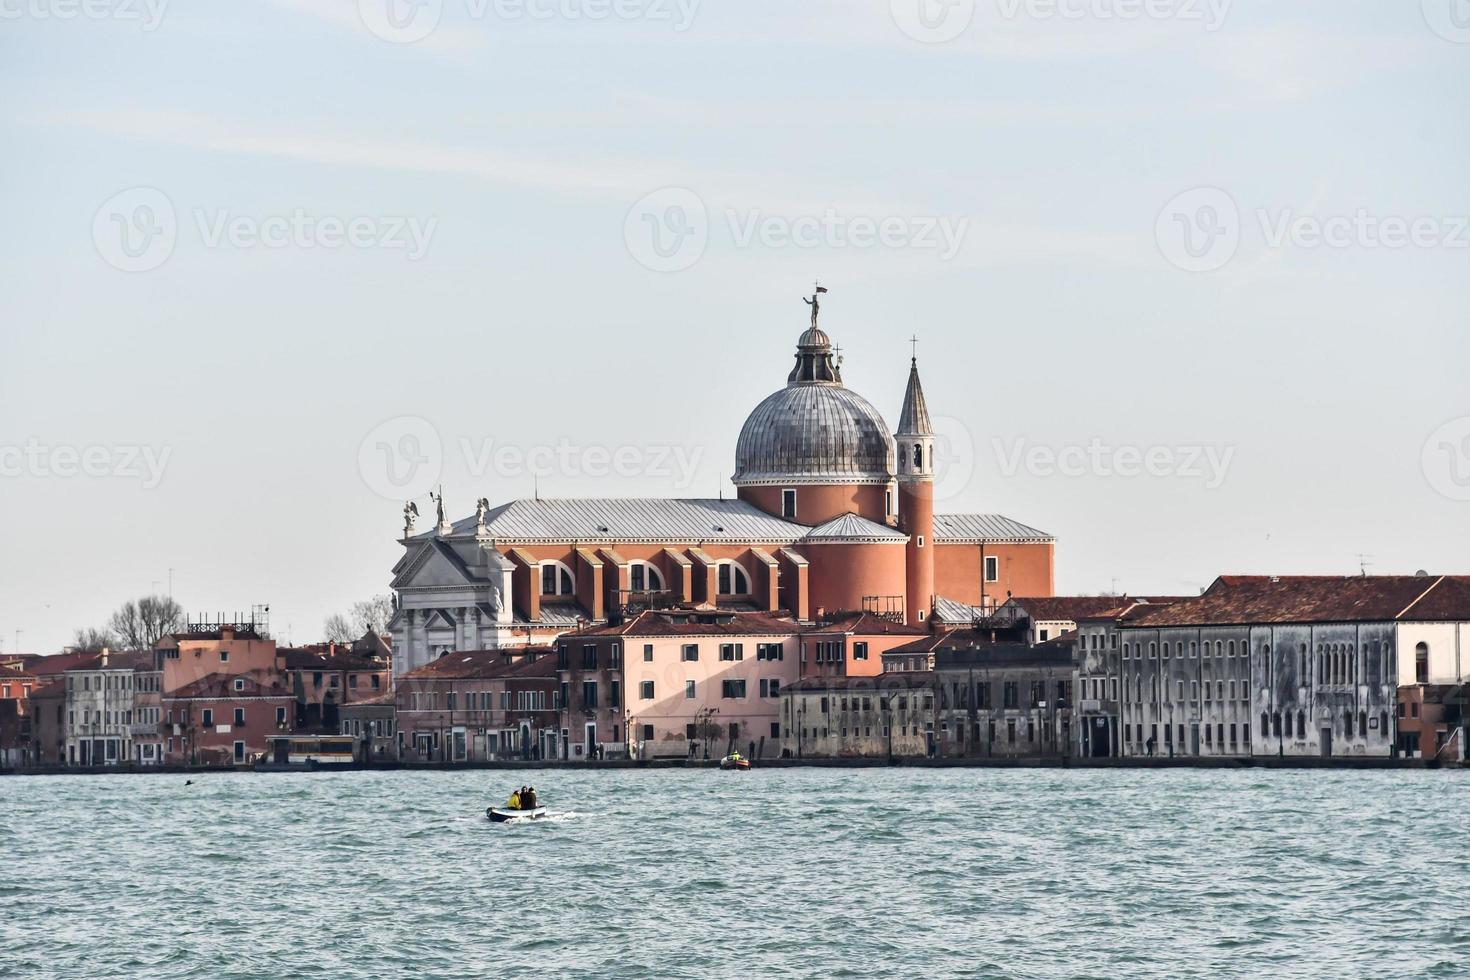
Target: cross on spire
[(914, 347)]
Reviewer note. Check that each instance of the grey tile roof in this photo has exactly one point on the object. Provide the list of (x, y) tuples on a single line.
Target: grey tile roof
[(953, 611), (627, 519), (914, 418), (850, 527), (964, 528), (814, 433)]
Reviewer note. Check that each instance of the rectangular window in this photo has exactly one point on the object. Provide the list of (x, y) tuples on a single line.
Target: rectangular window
[(860, 650), (589, 656), (208, 717), (280, 717), (689, 690), (645, 690), (689, 653), (727, 651), (648, 733), (615, 693), (992, 568), (239, 716), (224, 656), (788, 504), (765, 688), (589, 694), (648, 653), (732, 690)]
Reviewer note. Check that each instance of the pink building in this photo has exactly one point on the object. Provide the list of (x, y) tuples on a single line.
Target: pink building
[(677, 682), (225, 719)]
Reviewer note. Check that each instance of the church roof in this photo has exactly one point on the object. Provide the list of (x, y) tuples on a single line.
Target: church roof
[(851, 527), (914, 419), (975, 528), (630, 519)]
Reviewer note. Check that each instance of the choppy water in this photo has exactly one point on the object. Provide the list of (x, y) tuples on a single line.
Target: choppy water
[(1026, 873)]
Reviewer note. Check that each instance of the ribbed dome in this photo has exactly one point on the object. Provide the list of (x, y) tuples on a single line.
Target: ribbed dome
[(814, 433)]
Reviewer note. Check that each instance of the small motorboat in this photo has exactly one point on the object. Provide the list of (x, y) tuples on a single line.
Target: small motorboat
[(734, 762), (498, 814)]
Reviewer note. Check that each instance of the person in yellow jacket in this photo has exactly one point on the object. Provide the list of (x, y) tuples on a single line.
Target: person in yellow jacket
[(514, 803)]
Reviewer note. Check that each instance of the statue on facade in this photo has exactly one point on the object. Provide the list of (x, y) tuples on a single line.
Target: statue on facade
[(438, 499), (410, 514), (815, 303), (482, 507)]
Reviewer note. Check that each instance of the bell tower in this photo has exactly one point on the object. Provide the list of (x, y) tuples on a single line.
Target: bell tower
[(915, 443)]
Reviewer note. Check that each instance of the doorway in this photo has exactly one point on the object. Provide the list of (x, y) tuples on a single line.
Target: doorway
[(1326, 742), (590, 740)]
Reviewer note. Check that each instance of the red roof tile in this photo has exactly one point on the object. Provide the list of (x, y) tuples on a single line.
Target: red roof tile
[(486, 664), (1246, 599), (684, 622)]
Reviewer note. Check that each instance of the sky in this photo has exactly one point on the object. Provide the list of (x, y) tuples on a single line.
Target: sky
[(1190, 278)]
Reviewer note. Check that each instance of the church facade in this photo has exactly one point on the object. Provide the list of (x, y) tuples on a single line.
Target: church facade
[(833, 514)]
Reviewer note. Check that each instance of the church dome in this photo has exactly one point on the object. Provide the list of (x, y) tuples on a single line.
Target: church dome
[(815, 430)]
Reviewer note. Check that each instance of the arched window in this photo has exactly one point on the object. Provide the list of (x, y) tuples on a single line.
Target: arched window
[(733, 580), (1421, 663), (644, 577), (556, 579), (918, 455)]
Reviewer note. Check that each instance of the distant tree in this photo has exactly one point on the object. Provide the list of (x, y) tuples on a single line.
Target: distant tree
[(91, 640), (372, 615), (338, 629), (141, 624)]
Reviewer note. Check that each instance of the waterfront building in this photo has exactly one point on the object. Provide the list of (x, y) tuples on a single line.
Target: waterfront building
[(226, 718), (203, 650), (832, 514), (1278, 665), (675, 683), (1097, 709), (16, 729), (1003, 698), (112, 711), (479, 706), (861, 716), (1046, 618), (325, 678), (372, 722), (1434, 637)]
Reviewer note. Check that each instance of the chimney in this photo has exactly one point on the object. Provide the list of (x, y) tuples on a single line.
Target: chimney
[(105, 655)]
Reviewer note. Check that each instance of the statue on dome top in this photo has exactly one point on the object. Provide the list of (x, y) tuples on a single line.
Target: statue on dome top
[(815, 303)]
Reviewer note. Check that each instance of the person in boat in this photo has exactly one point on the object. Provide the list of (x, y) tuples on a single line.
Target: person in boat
[(514, 803), (528, 798)]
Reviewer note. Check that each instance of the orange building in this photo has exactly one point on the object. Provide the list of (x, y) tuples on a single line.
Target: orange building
[(833, 514)]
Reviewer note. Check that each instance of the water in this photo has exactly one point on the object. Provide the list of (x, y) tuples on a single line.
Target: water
[(908, 872)]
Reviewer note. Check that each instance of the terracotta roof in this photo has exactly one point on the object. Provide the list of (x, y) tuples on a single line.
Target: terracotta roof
[(1246, 599), (298, 659), (866, 624), (484, 664), (58, 663), (10, 673), (375, 701), (54, 689), (689, 622), (1067, 608)]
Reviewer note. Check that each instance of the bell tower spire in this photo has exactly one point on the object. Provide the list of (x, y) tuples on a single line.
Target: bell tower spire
[(915, 441)]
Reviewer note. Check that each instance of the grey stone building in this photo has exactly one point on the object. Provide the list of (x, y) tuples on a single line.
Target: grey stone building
[(1003, 698)]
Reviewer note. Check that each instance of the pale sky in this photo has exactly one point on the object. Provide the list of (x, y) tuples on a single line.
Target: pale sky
[(1219, 246)]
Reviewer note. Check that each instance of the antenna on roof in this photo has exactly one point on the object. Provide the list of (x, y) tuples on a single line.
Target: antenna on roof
[(535, 485), (1363, 563)]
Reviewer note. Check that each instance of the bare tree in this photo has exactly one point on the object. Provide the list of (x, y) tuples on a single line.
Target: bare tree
[(140, 625), (92, 640), (372, 615), (338, 629)]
